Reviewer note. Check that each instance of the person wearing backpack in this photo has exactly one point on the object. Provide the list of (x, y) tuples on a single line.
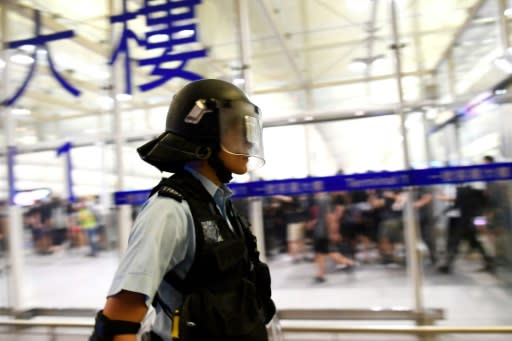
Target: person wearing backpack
[(190, 254)]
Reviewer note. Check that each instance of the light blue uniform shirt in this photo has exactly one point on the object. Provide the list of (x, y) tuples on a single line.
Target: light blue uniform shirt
[(162, 239)]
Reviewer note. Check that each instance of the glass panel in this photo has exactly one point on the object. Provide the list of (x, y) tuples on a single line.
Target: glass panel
[(468, 227), (66, 238), (326, 241)]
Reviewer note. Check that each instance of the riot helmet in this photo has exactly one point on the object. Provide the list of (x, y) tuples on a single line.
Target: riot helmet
[(204, 117)]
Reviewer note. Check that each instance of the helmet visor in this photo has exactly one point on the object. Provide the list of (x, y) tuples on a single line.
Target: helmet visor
[(241, 131)]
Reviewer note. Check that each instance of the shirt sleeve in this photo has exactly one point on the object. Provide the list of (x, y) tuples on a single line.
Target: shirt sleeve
[(158, 241)]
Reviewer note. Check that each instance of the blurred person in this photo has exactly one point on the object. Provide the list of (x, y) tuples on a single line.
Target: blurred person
[(374, 218), (101, 216), (351, 221), (326, 235), (273, 226), (391, 229), (295, 211), (75, 234), (356, 223), (89, 224), (190, 254), (59, 222), (452, 214), (497, 213), (37, 219), (423, 203), (470, 202)]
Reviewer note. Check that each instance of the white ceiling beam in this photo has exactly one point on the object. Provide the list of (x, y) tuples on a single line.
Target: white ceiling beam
[(335, 83), (339, 45), (93, 46), (282, 43), (27, 12), (462, 28)]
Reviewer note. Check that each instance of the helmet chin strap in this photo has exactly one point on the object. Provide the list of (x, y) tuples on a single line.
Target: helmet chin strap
[(224, 174)]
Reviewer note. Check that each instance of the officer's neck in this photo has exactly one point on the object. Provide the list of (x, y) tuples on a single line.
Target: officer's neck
[(205, 169)]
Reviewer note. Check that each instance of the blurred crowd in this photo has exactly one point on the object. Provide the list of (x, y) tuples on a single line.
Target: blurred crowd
[(340, 230), (56, 224), (349, 229)]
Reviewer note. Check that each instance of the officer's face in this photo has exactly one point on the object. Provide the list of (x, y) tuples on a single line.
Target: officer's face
[(235, 142), (235, 163)]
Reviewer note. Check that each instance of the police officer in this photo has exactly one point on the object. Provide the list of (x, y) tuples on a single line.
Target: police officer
[(190, 255)]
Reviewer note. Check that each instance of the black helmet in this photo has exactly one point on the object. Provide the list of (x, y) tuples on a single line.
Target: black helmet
[(203, 117)]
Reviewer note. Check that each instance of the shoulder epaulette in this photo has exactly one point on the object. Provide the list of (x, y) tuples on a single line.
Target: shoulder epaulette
[(169, 192)]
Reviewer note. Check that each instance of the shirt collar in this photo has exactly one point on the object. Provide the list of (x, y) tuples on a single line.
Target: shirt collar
[(223, 192)]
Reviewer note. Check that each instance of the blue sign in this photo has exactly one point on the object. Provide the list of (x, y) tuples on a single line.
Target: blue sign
[(65, 150), (171, 29), (39, 41), (131, 197), (399, 179)]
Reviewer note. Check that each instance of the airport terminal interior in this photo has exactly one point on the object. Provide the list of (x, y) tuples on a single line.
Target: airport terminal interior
[(389, 121)]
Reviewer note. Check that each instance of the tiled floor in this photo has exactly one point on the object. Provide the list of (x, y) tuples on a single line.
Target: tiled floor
[(68, 279)]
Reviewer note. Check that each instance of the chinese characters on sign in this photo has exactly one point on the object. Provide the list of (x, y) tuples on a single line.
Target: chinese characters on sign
[(39, 42), (171, 28), (171, 40), (399, 179)]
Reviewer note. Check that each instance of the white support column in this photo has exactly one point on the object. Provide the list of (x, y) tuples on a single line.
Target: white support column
[(503, 27), (123, 211), (15, 227), (255, 204), (411, 228), (16, 287)]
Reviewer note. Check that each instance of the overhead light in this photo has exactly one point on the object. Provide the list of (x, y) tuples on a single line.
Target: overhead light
[(20, 58), (504, 63), (102, 74), (105, 101), (432, 113), (412, 122), (499, 92), (20, 112), (28, 48), (2, 63), (239, 81), (308, 118), (95, 71), (508, 12), (358, 65), (29, 197), (359, 113), (123, 97), (42, 54)]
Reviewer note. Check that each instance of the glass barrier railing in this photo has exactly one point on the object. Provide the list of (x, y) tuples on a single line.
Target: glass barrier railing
[(328, 246)]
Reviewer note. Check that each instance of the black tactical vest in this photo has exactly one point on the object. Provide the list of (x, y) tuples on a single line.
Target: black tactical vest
[(227, 289)]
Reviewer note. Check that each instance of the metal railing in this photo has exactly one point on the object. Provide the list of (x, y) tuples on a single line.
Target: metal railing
[(280, 326), (425, 317)]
